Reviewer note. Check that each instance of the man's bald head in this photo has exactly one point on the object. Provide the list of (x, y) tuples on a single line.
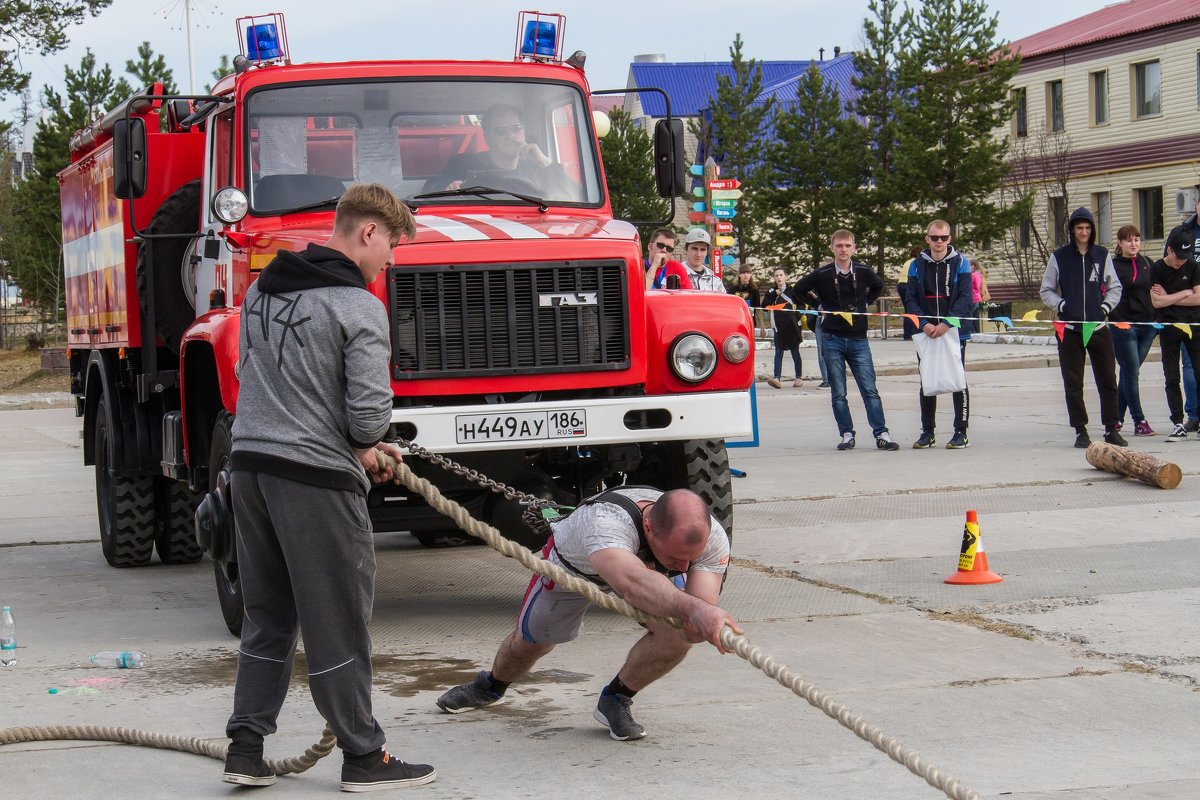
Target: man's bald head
[(681, 517)]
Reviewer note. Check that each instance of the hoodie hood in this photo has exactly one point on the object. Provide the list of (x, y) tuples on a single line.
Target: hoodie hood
[(950, 253), (1081, 213), (312, 268)]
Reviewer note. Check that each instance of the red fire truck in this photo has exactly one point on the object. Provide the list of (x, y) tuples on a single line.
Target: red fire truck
[(523, 342)]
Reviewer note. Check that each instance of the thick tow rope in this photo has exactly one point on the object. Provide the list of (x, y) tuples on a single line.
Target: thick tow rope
[(739, 644)]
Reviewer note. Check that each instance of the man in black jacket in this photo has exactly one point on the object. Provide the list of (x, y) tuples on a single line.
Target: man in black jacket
[(1081, 285), (845, 289), (1175, 294)]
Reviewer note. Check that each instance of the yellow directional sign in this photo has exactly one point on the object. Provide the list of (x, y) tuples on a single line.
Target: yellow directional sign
[(725, 241), (726, 194)]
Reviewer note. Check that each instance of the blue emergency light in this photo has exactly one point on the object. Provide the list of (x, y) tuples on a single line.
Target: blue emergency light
[(541, 39), (262, 42)]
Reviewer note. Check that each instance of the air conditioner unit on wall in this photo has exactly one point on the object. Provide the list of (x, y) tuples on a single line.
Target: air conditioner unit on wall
[(1185, 200)]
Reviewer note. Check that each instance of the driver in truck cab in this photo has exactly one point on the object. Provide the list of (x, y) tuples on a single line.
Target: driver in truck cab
[(510, 162)]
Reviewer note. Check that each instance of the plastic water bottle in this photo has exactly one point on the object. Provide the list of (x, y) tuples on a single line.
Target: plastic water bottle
[(8, 638), (113, 659)]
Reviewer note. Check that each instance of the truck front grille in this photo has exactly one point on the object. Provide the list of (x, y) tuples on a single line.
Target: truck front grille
[(466, 321)]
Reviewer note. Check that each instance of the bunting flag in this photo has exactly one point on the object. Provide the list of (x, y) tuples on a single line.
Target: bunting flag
[(1008, 323), (1183, 326), (1158, 326), (1030, 316), (1059, 327), (777, 307), (846, 315), (811, 311), (1123, 325), (913, 319), (1088, 328), (954, 321)]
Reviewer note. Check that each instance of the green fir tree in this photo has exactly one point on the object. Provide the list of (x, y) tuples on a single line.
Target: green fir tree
[(36, 26), (629, 172)]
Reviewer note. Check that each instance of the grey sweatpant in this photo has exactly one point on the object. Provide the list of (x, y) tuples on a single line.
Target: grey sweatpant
[(306, 562)]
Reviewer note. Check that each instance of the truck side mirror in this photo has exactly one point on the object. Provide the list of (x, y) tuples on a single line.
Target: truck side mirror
[(129, 158), (670, 171)]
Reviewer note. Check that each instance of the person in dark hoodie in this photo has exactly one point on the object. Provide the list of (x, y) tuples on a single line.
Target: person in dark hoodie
[(1132, 345), (1081, 285), (314, 403), (939, 286), (846, 286)]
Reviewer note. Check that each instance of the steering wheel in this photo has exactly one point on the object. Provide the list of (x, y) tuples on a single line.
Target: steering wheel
[(503, 179)]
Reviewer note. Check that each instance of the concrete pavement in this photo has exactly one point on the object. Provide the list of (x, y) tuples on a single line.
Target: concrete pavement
[(1076, 677)]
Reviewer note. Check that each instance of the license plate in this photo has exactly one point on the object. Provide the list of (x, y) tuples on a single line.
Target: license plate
[(567, 423)]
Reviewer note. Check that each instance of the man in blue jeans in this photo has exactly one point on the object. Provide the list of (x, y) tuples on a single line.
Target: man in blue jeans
[(846, 286)]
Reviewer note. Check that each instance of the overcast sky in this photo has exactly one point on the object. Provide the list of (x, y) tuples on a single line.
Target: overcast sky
[(611, 32)]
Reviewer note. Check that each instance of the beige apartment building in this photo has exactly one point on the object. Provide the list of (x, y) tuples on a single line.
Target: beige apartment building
[(1107, 116)]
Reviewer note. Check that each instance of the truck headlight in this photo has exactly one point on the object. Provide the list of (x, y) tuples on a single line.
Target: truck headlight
[(230, 205), (693, 357), (736, 348)]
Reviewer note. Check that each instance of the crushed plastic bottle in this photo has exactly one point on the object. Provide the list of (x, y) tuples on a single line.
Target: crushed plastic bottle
[(123, 659), (8, 638)]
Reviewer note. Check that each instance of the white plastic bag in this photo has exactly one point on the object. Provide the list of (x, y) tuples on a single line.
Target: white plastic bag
[(941, 363)]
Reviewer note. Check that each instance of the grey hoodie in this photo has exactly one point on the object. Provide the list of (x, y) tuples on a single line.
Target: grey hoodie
[(313, 365)]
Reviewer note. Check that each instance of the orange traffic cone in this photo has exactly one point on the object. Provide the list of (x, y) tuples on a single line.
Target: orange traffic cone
[(972, 562)]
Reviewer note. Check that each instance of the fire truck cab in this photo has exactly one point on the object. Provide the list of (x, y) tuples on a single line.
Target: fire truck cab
[(523, 342)]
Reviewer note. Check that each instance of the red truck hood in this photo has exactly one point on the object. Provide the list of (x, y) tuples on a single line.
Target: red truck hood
[(437, 228)]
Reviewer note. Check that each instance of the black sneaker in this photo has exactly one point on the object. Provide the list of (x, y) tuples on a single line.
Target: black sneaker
[(384, 771), (1177, 434), (847, 442), (958, 441), (613, 712), (247, 771), (884, 442), (924, 440), (470, 696), (1083, 440), (1192, 425), (1114, 437), (823, 385)]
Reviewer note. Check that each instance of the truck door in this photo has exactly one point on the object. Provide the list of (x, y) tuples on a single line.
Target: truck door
[(212, 257)]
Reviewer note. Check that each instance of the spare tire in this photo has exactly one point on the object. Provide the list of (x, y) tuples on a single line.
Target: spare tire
[(174, 310)]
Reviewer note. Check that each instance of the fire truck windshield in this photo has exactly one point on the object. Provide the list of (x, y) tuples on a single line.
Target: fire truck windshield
[(309, 142)]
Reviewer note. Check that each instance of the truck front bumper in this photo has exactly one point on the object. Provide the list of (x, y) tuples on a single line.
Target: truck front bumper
[(566, 423)]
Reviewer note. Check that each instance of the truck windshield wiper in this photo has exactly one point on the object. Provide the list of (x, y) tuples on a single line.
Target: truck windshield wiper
[(329, 201), (484, 191)]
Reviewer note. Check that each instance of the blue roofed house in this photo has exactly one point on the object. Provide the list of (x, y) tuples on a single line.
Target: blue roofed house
[(692, 85)]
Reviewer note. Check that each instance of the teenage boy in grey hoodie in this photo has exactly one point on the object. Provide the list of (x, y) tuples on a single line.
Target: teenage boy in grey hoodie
[(1081, 285), (314, 404)]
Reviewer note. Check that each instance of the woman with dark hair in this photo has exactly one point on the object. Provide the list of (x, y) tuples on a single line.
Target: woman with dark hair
[(1132, 344)]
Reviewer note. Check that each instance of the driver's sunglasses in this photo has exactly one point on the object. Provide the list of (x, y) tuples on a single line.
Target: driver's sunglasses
[(508, 130), (939, 237), (664, 246)]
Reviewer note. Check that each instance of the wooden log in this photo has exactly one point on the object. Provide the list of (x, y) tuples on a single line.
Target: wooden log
[(1143, 466)]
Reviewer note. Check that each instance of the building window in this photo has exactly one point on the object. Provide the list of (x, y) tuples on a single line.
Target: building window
[(1025, 234), (1057, 222), (1020, 112), (1099, 98), (1147, 89), (1054, 106), (1102, 205), (1150, 211)]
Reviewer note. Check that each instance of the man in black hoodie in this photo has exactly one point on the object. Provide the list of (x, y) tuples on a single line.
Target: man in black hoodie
[(1175, 295), (1081, 285), (844, 289), (314, 403)]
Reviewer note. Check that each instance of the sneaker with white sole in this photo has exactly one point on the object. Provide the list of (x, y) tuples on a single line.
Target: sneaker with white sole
[(247, 771), (847, 442), (1192, 425), (796, 384), (1177, 434), (924, 441), (774, 383), (383, 771), (884, 442), (469, 696), (958, 441), (614, 712)]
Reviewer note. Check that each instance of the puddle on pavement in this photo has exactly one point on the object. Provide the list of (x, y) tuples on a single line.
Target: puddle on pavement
[(396, 675)]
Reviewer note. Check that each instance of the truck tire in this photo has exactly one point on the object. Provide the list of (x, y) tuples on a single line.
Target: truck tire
[(225, 568), (124, 503), (701, 465), (175, 540), (173, 310)]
